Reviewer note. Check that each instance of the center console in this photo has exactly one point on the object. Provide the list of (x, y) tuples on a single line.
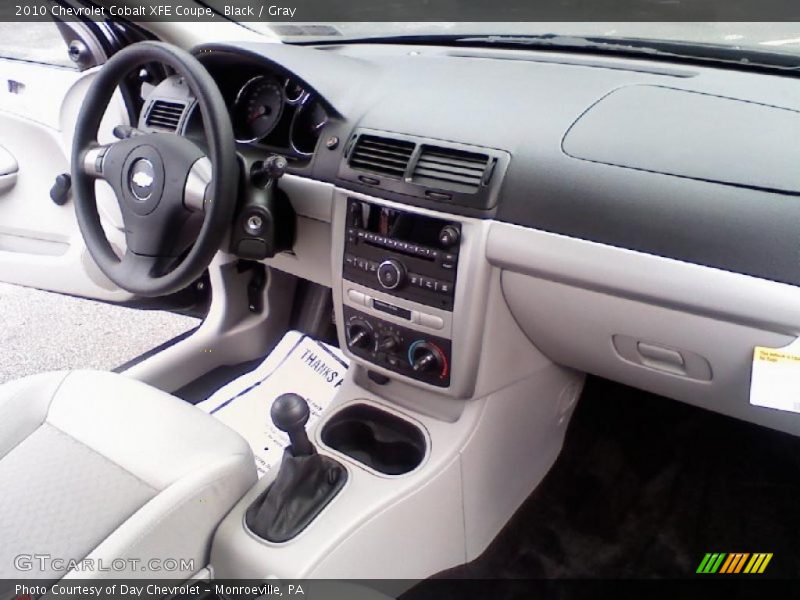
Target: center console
[(419, 309), (399, 273)]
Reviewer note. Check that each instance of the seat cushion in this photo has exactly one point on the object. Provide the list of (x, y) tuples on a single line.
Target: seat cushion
[(103, 469)]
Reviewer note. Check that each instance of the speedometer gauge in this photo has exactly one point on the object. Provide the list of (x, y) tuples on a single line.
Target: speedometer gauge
[(258, 108)]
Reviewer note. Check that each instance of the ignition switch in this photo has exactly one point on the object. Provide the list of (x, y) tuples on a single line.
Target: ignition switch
[(266, 222)]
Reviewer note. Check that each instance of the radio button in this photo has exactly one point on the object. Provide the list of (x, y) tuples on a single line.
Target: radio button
[(449, 236), (445, 287), (430, 284), (431, 321), (357, 297)]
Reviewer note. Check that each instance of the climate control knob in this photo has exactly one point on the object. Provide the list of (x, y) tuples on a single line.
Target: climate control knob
[(391, 274), (389, 343), (359, 336), (426, 358)]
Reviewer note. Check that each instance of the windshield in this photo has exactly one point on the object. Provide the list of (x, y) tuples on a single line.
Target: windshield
[(762, 37)]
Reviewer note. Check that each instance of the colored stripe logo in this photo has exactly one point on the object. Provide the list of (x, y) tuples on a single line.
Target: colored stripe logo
[(735, 562)]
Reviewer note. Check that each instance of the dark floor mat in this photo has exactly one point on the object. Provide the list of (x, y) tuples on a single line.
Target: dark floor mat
[(203, 387), (644, 487)]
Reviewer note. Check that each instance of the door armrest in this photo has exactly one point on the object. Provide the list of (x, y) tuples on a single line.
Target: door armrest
[(8, 170), (8, 164)]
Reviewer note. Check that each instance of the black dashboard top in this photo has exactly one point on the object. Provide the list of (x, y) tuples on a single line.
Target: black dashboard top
[(667, 173)]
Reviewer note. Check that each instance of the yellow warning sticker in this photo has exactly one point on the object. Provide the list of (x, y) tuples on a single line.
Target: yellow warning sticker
[(775, 378), (774, 355)]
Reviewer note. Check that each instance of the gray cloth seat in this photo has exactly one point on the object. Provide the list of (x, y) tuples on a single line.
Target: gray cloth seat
[(99, 471)]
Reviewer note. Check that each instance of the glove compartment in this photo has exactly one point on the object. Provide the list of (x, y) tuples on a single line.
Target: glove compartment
[(680, 330)]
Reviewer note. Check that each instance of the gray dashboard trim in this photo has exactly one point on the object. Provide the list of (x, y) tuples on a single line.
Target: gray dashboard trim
[(655, 280)]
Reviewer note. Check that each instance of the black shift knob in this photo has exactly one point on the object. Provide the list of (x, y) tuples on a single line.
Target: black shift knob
[(290, 413)]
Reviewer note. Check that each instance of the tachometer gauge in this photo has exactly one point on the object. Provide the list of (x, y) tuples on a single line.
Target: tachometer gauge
[(306, 127), (257, 109)]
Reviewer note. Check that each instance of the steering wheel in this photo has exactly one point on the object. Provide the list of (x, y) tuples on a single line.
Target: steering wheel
[(169, 201)]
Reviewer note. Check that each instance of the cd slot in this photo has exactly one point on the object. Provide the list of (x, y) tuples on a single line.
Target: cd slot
[(400, 249), (409, 248)]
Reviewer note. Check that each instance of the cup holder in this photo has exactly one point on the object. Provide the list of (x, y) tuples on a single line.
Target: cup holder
[(376, 438)]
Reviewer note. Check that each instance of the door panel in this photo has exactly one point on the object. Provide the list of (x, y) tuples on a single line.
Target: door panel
[(8, 170), (40, 243)]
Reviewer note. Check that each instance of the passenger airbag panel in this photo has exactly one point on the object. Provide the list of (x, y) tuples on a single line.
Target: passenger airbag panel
[(690, 134)]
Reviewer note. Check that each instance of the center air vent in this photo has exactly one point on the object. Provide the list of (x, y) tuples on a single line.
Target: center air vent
[(408, 168), (165, 115), (381, 155), (450, 169)]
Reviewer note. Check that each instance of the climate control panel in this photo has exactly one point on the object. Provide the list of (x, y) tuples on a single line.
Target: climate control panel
[(399, 349)]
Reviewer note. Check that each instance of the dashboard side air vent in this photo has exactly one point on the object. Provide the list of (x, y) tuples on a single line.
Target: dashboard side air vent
[(450, 169), (383, 155), (164, 114)]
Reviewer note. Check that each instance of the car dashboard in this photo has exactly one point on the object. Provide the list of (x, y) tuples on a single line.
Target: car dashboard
[(618, 206)]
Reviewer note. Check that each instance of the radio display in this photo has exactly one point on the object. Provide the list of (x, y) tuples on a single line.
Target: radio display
[(395, 224)]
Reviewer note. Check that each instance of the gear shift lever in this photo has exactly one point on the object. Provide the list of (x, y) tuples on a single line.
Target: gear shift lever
[(290, 414), (305, 483)]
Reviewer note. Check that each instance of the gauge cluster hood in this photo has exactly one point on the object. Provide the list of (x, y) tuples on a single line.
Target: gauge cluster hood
[(337, 79)]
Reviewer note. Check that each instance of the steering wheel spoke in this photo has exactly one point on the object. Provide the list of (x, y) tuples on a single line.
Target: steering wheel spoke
[(197, 191), (93, 158)]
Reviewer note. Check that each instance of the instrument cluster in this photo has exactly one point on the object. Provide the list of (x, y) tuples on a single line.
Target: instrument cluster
[(278, 113)]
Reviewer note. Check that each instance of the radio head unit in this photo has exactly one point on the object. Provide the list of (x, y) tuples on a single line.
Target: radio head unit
[(405, 254)]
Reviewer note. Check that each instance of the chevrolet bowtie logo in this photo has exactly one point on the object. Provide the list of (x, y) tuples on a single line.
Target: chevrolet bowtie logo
[(142, 179)]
